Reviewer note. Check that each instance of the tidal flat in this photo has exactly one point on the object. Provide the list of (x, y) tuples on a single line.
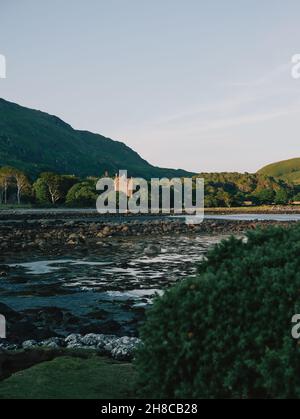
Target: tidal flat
[(103, 290), (64, 273)]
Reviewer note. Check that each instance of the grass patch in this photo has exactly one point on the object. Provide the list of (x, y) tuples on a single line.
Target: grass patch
[(15, 206), (72, 378)]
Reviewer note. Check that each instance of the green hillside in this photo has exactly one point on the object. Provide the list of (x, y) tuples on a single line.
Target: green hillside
[(288, 170), (34, 141)]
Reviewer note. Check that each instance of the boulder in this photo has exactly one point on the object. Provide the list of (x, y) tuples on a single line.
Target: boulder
[(152, 250)]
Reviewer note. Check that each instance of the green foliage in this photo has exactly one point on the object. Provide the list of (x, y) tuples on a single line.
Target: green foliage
[(265, 196), (234, 189), (52, 188), (41, 192), (227, 332), (14, 185), (82, 195), (296, 198), (281, 197)]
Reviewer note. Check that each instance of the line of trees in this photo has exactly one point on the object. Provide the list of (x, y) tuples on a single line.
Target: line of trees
[(48, 189), (13, 181), (221, 189), (239, 189)]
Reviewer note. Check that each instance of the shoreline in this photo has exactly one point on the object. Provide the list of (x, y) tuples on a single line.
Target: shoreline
[(265, 209), (64, 212), (56, 236)]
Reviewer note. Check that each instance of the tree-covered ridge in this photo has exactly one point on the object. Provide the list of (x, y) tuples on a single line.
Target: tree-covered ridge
[(36, 142), (221, 189), (288, 170), (238, 189)]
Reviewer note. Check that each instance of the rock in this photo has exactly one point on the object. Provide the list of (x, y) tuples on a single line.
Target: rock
[(75, 239), (124, 348), (8, 346), (29, 344), (73, 341), (106, 231), (152, 250), (91, 339), (120, 349), (74, 337), (53, 343), (72, 242), (69, 223), (97, 341)]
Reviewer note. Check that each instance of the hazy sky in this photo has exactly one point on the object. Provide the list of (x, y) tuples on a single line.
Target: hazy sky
[(203, 85)]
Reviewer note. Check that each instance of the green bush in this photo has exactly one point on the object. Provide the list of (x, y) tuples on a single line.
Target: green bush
[(82, 195), (227, 332)]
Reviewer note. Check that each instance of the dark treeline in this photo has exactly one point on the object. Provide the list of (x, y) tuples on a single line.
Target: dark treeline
[(221, 189)]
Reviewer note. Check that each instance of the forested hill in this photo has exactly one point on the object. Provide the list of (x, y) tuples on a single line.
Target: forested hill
[(35, 142), (234, 189)]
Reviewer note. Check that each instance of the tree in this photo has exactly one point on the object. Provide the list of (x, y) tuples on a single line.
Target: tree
[(41, 192), (3, 186), (82, 194), (296, 198), (53, 188), (12, 179), (239, 199), (281, 197), (22, 183), (265, 196), (6, 177), (224, 198)]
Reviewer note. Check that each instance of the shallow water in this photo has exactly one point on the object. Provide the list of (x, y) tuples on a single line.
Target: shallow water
[(114, 282), (91, 215)]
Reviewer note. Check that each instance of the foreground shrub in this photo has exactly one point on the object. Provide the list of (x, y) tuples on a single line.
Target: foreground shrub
[(227, 332)]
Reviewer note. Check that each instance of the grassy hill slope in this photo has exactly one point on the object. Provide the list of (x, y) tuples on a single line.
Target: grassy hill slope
[(34, 141), (288, 170)]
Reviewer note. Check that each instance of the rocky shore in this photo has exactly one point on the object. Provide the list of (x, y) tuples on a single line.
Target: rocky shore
[(118, 348), (52, 236), (109, 326)]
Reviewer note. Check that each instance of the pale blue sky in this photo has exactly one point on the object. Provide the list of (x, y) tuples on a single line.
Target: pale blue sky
[(203, 85)]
